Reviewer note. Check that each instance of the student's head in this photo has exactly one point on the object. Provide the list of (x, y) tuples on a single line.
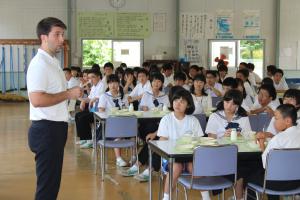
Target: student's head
[(96, 67), (75, 71), (157, 81), (242, 74), (68, 73), (266, 94), (50, 31), (135, 71), (146, 66), (211, 77), (285, 116), (85, 74), (232, 102), (123, 65), (250, 67), (108, 68), (241, 87), (179, 78), (173, 90), (142, 76), (94, 76), (167, 69), (153, 69), (292, 96), (113, 83), (271, 70), (119, 72), (193, 71), (198, 84), (182, 102), (242, 65), (267, 81), (278, 74), (223, 70), (229, 83), (202, 70), (128, 74)]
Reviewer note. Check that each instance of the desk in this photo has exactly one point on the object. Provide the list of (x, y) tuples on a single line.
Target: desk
[(166, 149)]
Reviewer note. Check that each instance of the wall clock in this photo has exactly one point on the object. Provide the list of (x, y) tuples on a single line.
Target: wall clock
[(117, 3)]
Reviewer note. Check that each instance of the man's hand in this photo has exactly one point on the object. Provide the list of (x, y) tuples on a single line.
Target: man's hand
[(74, 93)]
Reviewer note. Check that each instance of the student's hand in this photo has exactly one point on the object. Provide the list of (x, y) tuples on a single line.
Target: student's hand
[(227, 132), (74, 92), (139, 97), (150, 136), (269, 110), (261, 143), (260, 135), (129, 80)]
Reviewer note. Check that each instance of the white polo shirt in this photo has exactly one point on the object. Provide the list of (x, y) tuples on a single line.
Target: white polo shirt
[(217, 123), (97, 90), (273, 104), (282, 85), (140, 89), (45, 75), (148, 98), (73, 82), (168, 80), (106, 101), (271, 127), (172, 128), (202, 103), (218, 86), (290, 138)]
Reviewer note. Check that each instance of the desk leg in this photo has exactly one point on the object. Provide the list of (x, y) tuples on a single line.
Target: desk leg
[(150, 175), (171, 161), (95, 144)]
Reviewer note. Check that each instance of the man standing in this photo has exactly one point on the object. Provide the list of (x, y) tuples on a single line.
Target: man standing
[(48, 97)]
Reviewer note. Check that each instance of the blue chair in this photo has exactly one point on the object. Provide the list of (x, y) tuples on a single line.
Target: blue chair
[(253, 119), (216, 100), (210, 165), (202, 120), (118, 128), (259, 122), (277, 171)]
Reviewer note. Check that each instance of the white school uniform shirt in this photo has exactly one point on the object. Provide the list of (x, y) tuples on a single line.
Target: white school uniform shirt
[(140, 89), (218, 86), (271, 127), (168, 80), (106, 101), (104, 81), (217, 122), (289, 138), (187, 87), (172, 128), (202, 103), (257, 78), (73, 82), (148, 98), (282, 85), (97, 90), (249, 90), (273, 104), (45, 75), (247, 103)]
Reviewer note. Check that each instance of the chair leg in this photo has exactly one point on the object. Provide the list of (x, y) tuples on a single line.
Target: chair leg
[(96, 161), (185, 193), (234, 194), (176, 191), (246, 193), (160, 181), (103, 163), (257, 195), (223, 194)]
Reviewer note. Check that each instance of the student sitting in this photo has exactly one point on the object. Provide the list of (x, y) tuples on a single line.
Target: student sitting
[(229, 114), (111, 99), (85, 84), (201, 100), (128, 83), (108, 70), (271, 70), (71, 81), (223, 71), (120, 72), (193, 71), (212, 87), (279, 81), (247, 100), (288, 137), (256, 79), (144, 85), (167, 70), (180, 79), (243, 74), (291, 96), (173, 126), (265, 101)]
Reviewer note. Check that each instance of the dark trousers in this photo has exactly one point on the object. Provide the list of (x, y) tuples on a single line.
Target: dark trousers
[(47, 140), (83, 124)]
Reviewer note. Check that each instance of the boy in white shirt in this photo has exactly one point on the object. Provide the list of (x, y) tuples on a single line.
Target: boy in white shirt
[(71, 81), (257, 79), (213, 88), (180, 79), (167, 70), (279, 81), (108, 70)]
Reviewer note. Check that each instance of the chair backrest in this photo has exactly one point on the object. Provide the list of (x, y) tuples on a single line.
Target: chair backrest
[(215, 160), (253, 119), (263, 121), (283, 165), (215, 101), (202, 120), (118, 127)]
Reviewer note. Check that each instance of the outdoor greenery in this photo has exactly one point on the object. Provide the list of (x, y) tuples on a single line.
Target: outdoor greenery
[(96, 51), (251, 49)]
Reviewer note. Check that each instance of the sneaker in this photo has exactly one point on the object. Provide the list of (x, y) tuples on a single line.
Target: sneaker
[(81, 142), (120, 162), (86, 145), (132, 171), (143, 177), (132, 161)]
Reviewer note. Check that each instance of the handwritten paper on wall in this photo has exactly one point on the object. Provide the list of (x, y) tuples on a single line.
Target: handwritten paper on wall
[(159, 22), (251, 23), (129, 25), (224, 27)]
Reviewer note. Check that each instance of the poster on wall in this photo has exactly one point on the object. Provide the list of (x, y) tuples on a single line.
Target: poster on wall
[(159, 22), (251, 24), (224, 29), (192, 51), (196, 26)]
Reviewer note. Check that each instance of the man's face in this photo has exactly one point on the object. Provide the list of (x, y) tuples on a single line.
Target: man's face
[(54, 40), (94, 78), (108, 71)]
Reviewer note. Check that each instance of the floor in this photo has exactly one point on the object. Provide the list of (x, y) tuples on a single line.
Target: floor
[(17, 167)]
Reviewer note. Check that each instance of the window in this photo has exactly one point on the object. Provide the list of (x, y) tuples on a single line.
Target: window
[(236, 51), (115, 51)]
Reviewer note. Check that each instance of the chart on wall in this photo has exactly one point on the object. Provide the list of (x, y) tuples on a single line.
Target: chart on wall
[(224, 28), (129, 25), (251, 23)]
